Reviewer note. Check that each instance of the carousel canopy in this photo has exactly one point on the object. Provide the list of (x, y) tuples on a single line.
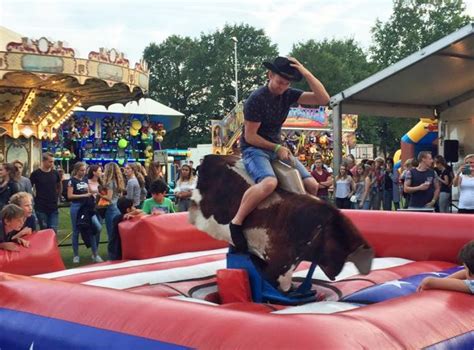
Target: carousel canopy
[(141, 109), (41, 82)]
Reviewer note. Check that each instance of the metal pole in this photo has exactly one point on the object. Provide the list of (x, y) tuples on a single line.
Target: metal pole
[(337, 137), (234, 39)]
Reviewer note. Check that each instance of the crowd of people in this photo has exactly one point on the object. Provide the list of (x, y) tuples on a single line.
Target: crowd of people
[(424, 183), (97, 196), (107, 195)]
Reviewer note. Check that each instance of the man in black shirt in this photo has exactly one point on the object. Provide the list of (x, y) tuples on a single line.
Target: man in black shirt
[(265, 111), (421, 183), (47, 185)]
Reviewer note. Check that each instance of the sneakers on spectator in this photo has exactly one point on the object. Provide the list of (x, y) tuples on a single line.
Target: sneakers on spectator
[(97, 258), (75, 260)]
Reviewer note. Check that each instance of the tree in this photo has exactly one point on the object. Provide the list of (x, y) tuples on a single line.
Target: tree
[(413, 25), (195, 76), (338, 64), (172, 82)]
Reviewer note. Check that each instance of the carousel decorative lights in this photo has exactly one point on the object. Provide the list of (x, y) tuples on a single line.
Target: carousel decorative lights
[(41, 82)]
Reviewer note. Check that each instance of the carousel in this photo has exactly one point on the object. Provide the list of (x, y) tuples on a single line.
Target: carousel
[(42, 82)]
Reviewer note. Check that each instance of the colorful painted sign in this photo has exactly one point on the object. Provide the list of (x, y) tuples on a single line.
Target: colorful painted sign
[(307, 118), (225, 132)]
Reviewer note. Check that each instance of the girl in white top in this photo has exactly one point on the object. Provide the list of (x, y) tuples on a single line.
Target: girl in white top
[(345, 188), (184, 187), (465, 180)]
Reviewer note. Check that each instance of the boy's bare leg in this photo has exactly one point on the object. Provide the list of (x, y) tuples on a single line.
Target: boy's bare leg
[(250, 200)]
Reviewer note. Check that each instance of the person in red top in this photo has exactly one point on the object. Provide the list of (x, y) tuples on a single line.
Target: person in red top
[(323, 177)]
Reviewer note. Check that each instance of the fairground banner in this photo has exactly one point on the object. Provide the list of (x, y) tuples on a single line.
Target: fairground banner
[(317, 119), (307, 118)]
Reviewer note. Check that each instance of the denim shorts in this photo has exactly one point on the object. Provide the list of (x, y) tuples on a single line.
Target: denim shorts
[(258, 164)]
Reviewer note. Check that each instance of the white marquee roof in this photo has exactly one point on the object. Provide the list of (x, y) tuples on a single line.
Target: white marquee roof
[(437, 80)]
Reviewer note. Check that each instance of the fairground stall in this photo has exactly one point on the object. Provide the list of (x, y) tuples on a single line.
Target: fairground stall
[(119, 133), (41, 82), (307, 133)]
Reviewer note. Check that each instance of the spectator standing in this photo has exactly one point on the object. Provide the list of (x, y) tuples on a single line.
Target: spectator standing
[(350, 164), (421, 183), (199, 166), (8, 184), (345, 187), (362, 186), (154, 173), (78, 193), (184, 187), (141, 180), (94, 181), (24, 183), (391, 191), (47, 184), (445, 179), (115, 186), (324, 179), (408, 165), (378, 173), (465, 180), (191, 164), (133, 184)]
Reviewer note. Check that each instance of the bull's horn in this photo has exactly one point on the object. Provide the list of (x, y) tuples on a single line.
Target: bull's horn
[(362, 258)]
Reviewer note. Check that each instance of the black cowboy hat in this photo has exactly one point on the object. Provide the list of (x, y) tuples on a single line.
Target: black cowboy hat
[(281, 66)]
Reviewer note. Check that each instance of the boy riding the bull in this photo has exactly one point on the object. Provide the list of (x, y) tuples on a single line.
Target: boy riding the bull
[(265, 111)]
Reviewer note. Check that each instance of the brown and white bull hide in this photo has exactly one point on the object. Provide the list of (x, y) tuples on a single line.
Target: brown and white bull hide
[(284, 230)]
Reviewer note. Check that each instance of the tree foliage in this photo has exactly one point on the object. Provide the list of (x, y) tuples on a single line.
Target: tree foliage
[(413, 25), (338, 64), (196, 76)]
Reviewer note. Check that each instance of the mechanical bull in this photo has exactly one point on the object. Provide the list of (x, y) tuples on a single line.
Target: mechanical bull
[(283, 230)]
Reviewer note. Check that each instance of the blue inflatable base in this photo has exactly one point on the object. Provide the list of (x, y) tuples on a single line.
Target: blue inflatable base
[(263, 291)]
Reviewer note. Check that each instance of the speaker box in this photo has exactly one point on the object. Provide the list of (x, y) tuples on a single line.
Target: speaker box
[(451, 150)]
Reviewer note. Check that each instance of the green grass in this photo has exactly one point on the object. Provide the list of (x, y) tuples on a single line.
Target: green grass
[(65, 237)]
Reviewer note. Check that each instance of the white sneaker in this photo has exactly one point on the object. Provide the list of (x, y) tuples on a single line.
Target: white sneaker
[(75, 260), (98, 259)]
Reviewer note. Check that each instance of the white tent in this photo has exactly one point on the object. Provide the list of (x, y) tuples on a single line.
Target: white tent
[(144, 107), (437, 81)]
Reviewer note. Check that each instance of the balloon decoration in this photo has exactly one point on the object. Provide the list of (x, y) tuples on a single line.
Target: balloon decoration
[(148, 155), (136, 124), (123, 143)]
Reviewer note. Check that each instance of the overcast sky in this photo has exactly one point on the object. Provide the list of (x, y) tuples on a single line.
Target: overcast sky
[(130, 26)]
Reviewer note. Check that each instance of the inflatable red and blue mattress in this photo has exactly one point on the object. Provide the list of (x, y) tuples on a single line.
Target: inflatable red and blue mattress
[(165, 294)]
